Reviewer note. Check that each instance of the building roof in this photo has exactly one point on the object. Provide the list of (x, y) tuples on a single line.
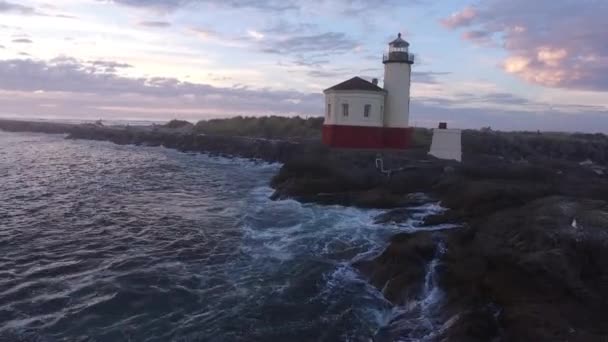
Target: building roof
[(356, 83), (399, 42)]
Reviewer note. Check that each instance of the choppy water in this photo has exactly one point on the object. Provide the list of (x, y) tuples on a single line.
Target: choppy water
[(100, 242)]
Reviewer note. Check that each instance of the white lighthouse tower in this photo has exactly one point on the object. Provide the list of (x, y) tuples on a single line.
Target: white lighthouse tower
[(360, 114), (397, 79)]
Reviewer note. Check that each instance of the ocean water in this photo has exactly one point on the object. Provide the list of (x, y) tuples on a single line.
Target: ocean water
[(101, 242)]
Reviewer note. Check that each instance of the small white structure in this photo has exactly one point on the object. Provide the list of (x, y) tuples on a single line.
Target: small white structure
[(447, 143)]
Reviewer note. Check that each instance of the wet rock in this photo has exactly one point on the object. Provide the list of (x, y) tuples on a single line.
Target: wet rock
[(397, 216), (186, 141), (531, 272), (549, 279), (399, 271), (353, 180), (446, 217), (472, 325)]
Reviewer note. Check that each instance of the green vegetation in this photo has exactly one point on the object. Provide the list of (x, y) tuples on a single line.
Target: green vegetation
[(279, 127), (178, 124), (422, 138), (269, 127), (524, 145)]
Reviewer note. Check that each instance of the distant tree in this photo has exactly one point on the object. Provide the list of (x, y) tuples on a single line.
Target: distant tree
[(269, 127), (175, 123)]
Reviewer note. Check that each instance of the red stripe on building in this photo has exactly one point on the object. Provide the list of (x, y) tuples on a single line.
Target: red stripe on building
[(366, 137)]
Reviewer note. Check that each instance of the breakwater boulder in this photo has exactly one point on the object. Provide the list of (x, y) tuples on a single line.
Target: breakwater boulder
[(187, 141), (176, 136)]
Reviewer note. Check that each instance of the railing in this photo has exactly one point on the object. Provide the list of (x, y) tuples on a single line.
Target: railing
[(398, 57)]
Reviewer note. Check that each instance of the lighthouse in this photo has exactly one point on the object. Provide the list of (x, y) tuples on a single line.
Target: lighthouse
[(361, 114), (397, 80)]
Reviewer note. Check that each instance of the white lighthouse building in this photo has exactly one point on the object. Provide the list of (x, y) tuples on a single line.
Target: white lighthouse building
[(360, 114)]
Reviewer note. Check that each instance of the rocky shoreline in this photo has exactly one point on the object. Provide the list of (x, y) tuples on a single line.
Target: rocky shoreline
[(182, 140), (530, 262)]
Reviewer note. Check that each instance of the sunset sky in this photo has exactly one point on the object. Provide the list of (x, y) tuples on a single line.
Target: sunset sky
[(508, 64)]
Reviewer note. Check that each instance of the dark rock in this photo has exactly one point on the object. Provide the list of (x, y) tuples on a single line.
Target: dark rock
[(549, 279), (400, 215), (399, 271), (473, 325), (446, 217), (35, 127), (350, 178)]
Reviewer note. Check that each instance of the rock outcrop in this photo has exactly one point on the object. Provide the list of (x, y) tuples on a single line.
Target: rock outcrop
[(529, 263), (544, 266), (352, 178), (401, 284)]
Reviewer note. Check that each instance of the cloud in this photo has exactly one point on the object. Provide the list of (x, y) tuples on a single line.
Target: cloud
[(169, 5), (72, 79), (327, 43), (204, 33), (546, 119), (2, 47), (304, 49), (480, 37), (10, 7), (22, 41), (6, 7), (283, 27), (65, 16), (428, 77), (344, 7), (255, 34), (461, 18), (494, 100), (303, 61), (105, 66), (154, 24), (67, 87), (504, 98), (553, 43), (322, 73)]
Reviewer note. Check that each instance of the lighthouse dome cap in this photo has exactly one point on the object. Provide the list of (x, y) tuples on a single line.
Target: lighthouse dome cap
[(399, 42)]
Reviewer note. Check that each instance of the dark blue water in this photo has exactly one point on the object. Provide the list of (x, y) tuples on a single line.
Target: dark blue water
[(100, 242)]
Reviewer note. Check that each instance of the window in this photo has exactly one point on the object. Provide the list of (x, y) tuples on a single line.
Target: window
[(345, 109), (367, 111), (329, 110)]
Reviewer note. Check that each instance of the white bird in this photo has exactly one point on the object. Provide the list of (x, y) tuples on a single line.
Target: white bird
[(574, 223)]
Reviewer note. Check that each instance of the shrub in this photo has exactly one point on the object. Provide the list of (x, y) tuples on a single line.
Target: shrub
[(422, 138), (178, 124), (270, 127)]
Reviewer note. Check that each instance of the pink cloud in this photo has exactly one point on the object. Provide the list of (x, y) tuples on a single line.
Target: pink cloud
[(478, 36), (553, 43), (461, 18)]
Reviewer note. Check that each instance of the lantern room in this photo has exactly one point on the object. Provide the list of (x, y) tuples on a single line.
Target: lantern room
[(398, 52)]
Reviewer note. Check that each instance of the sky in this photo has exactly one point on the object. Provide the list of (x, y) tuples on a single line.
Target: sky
[(506, 64)]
